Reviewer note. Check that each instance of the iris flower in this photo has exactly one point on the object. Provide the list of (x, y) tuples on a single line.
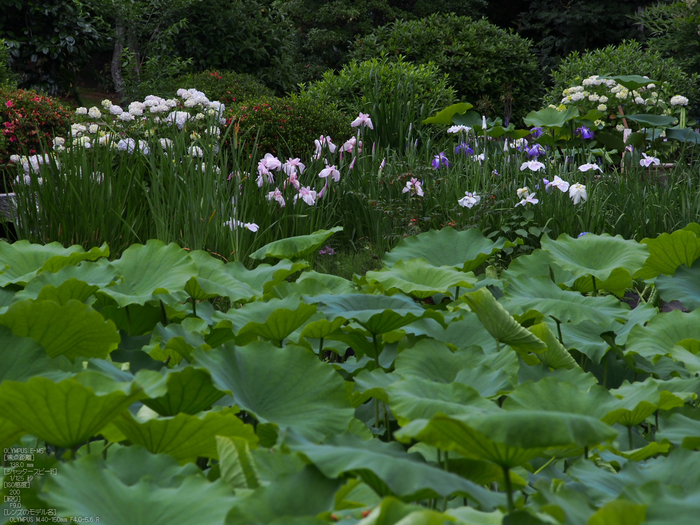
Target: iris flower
[(330, 170), (529, 199), (589, 166), (277, 195), (414, 186), (532, 165), (362, 120), (559, 184), (235, 223), (577, 192), (469, 200), (464, 149), (441, 160), (307, 195), (584, 132), (292, 166), (649, 161)]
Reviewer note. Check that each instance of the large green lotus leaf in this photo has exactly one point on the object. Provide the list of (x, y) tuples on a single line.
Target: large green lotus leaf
[(149, 271), (668, 251), (552, 395), (378, 314), (21, 261), (465, 250), (687, 352), (556, 356), (488, 374), (501, 325), (190, 390), (585, 337), (550, 117), (185, 437), (286, 386), (631, 82), (136, 488), (684, 286), (295, 247), (387, 468), (508, 438), (470, 516), (99, 273), (374, 384), (213, 280), (301, 495), (596, 255), (236, 463), (682, 431), (9, 433), (419, 278), (465, 330), (662, 333), (415, 398), (445, 116), (273, 320), (656, 121), (68, 413), (319, 327), (638, 400), (265, 277), (536, 264), (542, 295), (73, 330), (73, 289), (311, 281), (683, 135)]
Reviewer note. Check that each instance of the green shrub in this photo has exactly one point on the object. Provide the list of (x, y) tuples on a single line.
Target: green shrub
[(626, 59), (30, 121), (288, 126), (228, 87), (250, 36), (489, 67), (7, 78)]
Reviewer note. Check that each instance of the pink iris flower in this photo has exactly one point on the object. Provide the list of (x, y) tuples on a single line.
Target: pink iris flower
[(330, 170), (307, 195), (362, 120)]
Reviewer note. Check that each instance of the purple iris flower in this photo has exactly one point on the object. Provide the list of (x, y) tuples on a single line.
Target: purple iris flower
[(535, 151), (464, 149), (584, 132), (441, 160), (536, 132), (582, 234), (546, 185)]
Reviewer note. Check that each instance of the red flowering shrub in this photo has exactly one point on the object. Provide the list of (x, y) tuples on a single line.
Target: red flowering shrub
[(288, 125), (29, 123)]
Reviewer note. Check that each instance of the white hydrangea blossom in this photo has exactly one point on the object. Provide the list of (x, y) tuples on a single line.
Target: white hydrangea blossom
[(679, 100), (94, 112)]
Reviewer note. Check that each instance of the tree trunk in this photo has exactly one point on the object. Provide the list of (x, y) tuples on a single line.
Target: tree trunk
[(117, 59)]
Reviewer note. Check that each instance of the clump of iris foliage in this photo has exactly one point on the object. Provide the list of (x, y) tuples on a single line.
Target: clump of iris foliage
[(165, 386), (616, 156)]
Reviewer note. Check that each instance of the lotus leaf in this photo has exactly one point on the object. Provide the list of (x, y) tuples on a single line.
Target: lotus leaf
[(445, 116), (298, 495), (378, 314), (502, 327), (190, 391), (67, 413), (73, 330), (99, 273), (22, 358), (684, 286), (422, 399), (542, 295), (507, 439), (183, 436), (236, 463), (295, 247), (265, 277), (273, 320), (419, 278), (656, 121), (556, 356), (465, 250), (159, 494), (597, 255), (21, 261), (387, 468), (286, 386), (662, 333), (213, 280), (669, 251), (149, 271), (550, 117)]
